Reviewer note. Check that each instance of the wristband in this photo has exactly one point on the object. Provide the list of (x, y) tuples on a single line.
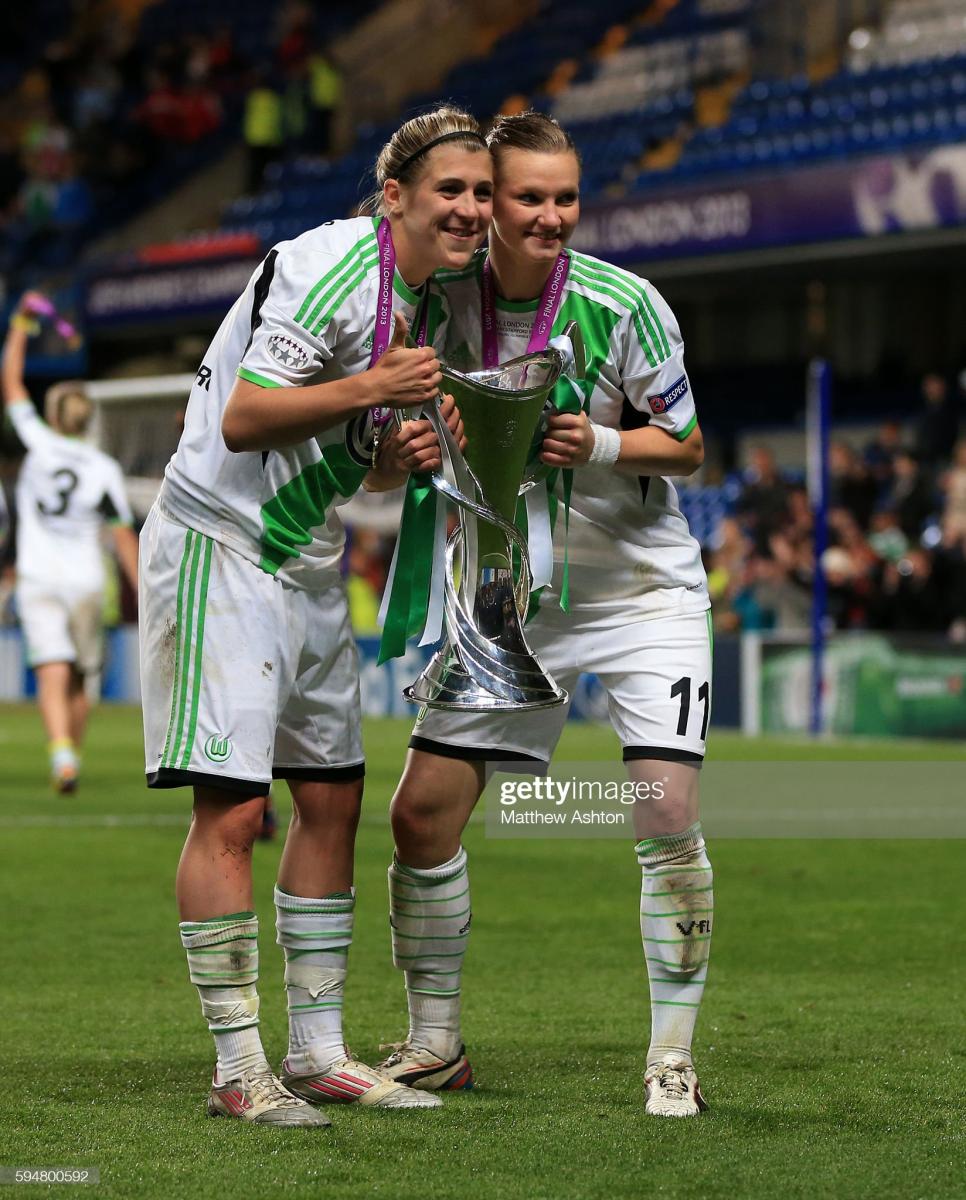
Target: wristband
[(607, 445), (25, 324)]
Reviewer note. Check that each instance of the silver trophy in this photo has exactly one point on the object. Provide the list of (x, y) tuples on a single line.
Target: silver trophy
[(485, 663)]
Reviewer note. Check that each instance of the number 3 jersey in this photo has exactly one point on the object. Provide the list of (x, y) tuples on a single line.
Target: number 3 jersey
[(66, 492), (306, 317), (629, 540)]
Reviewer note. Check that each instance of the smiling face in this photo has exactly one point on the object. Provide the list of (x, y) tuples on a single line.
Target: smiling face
[(536, 206), (442, 216)]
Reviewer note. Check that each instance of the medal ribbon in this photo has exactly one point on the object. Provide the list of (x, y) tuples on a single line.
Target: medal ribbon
[(546, 314), (404, 607), (383, 330)]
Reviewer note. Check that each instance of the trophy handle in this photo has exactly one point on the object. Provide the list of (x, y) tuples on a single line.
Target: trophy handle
[(572, 331), (575, 363)]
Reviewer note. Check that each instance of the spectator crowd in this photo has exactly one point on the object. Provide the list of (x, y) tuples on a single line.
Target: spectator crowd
[(102, 117), (896, 554)]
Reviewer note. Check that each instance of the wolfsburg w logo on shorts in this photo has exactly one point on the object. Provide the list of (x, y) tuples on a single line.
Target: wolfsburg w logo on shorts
[(218, 748)]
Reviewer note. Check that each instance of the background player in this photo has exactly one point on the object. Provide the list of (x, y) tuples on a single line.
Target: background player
[(249, 668), (66, 492), (638, 617)]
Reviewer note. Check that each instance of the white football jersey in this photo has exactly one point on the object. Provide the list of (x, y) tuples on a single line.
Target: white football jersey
[(307, 316), (628, 537), (66, 491)]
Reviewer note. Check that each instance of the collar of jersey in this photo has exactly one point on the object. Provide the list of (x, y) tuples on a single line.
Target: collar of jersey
[(517, 305), (405, 292)]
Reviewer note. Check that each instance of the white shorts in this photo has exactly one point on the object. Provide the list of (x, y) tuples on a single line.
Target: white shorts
[(61, 625), (243, 678), (656, 672)]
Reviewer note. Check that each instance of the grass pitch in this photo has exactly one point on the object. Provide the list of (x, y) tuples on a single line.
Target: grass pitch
[(830, 1044)]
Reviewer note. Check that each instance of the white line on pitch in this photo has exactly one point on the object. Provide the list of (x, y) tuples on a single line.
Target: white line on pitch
[(100, 821)]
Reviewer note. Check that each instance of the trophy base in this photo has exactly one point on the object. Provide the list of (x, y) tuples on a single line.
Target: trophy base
[(447, 685)]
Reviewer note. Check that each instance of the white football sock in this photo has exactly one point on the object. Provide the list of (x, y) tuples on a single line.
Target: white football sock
[(63, 753), (316, 935), (223, 965), (429, 912), (677, 906)]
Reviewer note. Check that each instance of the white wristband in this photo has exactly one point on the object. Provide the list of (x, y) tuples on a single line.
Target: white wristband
[(607, 445)]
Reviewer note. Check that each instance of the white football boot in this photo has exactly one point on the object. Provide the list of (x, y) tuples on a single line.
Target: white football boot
[(257, 1096), (671, 1090), (421, 1068), (352, 1082)]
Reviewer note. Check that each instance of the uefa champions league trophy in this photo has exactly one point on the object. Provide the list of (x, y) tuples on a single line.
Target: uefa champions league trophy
[(485, 663)]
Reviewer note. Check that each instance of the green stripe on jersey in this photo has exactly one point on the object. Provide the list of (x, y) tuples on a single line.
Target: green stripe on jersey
[(366, 243), (681, 434), (338, 293), (300, 505), (445, 275), (646, 338), (254, 377), (631, 292), (452, 274), (633, 286), (597, 323)]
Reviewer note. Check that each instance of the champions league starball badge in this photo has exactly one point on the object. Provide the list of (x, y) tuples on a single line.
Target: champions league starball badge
[(288, 351)]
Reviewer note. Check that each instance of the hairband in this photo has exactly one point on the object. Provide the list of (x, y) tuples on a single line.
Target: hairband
[(443, 137)]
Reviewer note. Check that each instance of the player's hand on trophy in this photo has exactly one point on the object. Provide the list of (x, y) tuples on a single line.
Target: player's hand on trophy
[(415, 447), (404, 376), (568, 441), (451, 415)]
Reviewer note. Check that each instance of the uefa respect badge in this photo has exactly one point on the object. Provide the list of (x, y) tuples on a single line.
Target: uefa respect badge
[(665, 401)]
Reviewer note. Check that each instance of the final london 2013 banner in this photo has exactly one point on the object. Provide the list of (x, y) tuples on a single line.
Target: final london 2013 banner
[(858, 198)]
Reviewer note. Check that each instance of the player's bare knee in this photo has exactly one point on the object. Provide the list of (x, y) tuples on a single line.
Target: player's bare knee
[(666, 798), (222, 818), (327, 805), (414, 820)]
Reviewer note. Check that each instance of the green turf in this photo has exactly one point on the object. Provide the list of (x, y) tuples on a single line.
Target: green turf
[(830, 1044)]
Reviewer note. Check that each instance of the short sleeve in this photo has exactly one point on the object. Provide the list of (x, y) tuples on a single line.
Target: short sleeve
[(288, 346), (115, 506), (30, 428), (653, 372)]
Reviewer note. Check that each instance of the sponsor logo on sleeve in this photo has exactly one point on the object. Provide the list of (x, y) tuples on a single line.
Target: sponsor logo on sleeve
[(665, 401), (288, 351)]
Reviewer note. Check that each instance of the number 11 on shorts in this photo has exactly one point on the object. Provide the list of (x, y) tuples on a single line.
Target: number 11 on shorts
[(682, 689)]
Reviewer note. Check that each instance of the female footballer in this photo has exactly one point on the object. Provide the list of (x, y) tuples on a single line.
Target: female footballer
[(249, 668), (638, 616)]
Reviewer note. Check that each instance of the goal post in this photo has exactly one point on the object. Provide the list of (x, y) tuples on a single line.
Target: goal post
[(139, 421)]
